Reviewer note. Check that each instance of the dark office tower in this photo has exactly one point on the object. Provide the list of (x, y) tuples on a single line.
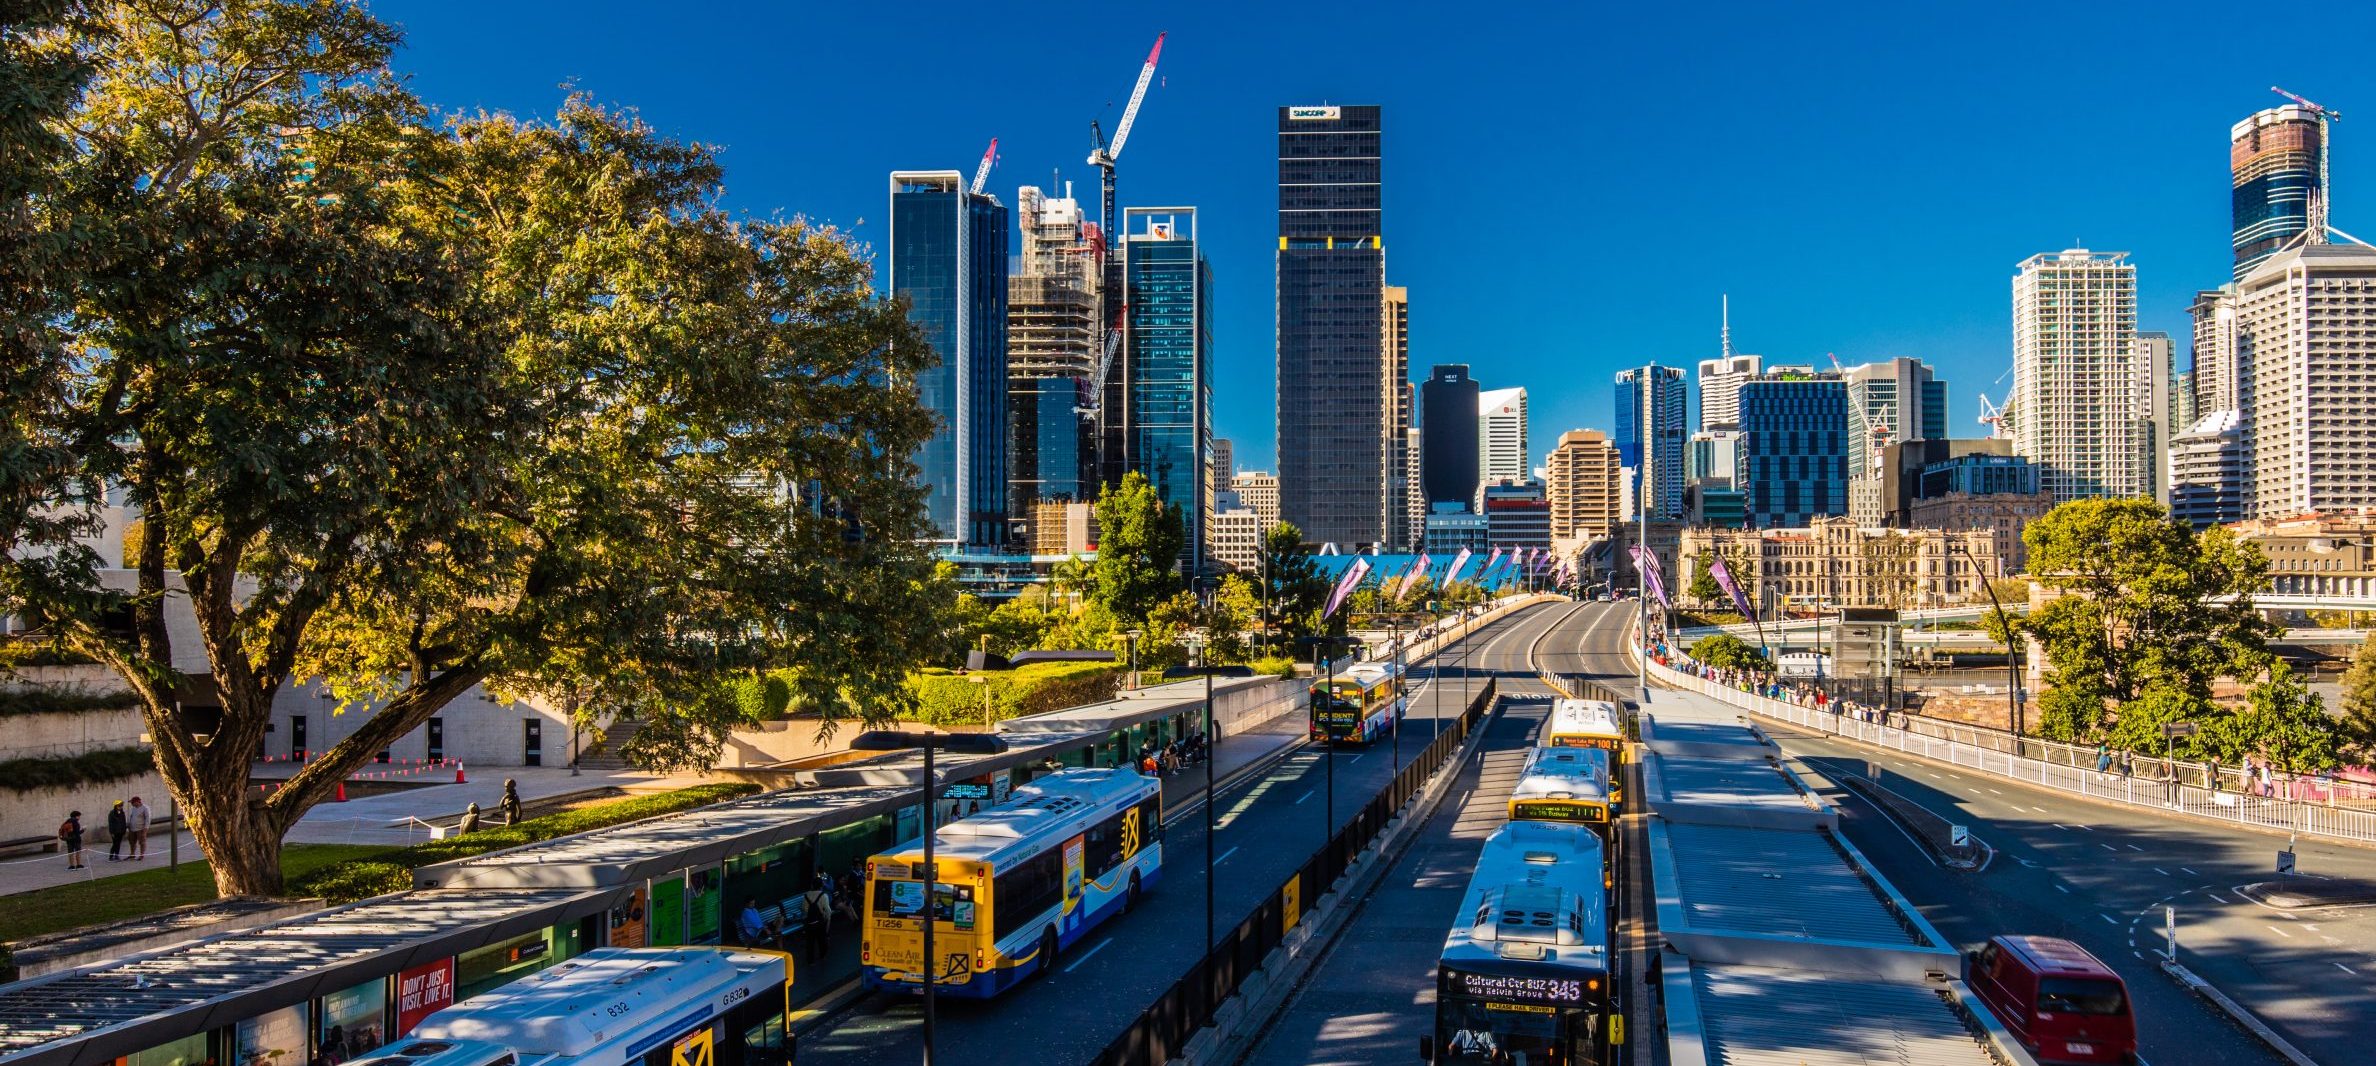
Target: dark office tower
[(1331, 301), (1167, 344), (949, 258), (1448, 436), (1651, 434), (2273, 158), (1794, 446)]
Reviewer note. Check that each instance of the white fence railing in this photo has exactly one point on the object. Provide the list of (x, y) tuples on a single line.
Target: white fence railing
[(2281, 815)]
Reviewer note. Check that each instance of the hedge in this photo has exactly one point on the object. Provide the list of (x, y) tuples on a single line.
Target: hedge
[(948, 698), (47, 700), (1277, 666), (67, 771), (392, 871)]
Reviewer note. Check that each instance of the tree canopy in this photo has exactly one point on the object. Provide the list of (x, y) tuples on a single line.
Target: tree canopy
[(413, 404)]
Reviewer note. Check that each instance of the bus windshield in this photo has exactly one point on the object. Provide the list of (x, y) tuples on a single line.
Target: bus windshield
[(1516, 1034), (905, 899)]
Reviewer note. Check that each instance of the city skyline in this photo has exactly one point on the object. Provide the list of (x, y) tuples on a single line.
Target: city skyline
[(1965, 202)]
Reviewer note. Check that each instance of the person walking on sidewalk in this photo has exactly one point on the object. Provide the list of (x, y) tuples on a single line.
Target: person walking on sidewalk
[(818, 930), (71, 831), (117, 825), (136, 822)]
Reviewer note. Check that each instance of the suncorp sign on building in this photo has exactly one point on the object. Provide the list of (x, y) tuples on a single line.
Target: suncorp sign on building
[(1305, 114)]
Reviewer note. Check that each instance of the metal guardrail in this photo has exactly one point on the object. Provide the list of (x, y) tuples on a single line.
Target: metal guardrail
[(2281, 815), (1161, 1032)]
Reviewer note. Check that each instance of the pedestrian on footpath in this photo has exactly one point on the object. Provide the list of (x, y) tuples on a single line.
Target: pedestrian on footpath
[(136, 822), (2103, 758), (818, 930), (71, 831), (117, 826)]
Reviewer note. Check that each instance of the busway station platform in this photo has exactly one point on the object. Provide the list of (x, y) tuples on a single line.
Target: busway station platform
[(1781, 943), (374, 967)]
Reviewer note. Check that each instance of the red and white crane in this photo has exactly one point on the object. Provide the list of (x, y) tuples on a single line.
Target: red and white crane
[(2321, 207), (982, 173)]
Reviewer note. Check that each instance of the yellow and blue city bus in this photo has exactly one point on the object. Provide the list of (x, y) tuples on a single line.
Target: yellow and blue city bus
[(1016, 883), (682, 1006), (1357, 706), (1584, 724)]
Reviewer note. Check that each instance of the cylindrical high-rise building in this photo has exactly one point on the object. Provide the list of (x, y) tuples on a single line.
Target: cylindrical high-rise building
[(2274, 158)]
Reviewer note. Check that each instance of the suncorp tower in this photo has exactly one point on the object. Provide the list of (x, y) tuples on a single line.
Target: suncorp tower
[(1331, 302)]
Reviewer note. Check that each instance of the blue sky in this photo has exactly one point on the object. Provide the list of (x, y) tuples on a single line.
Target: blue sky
[(1569, 187)]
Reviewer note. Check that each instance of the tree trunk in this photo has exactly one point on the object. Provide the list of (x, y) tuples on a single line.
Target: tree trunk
[(238, 840)]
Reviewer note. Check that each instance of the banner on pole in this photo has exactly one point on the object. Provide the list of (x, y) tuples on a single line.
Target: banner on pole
[(1646, 564), (1458, 561), (1418, 567), (1352, 579), (1724, 580)]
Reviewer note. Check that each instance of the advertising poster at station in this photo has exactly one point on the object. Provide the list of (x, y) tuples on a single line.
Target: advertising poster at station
[(703, 910), (423, 991), (627, 925)]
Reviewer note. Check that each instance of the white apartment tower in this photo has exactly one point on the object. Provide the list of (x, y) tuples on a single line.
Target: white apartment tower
[(2083, 395), (2305, 357), (1501, 436), (1395, 402)]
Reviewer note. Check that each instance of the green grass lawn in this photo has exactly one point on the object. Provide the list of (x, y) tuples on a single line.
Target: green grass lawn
[(107, 899)]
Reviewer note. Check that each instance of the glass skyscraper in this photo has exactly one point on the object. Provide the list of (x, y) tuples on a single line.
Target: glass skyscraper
[(1331, 308), (1650, 436), (949, 259), (1167, 350), (1448, 437), (2273, 160), (1794, 447)]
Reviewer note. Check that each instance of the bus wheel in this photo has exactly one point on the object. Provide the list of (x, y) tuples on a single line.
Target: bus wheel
[(1047, 949), (1131, 901)]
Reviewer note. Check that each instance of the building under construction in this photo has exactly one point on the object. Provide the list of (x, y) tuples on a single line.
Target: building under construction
[(1052, 353)]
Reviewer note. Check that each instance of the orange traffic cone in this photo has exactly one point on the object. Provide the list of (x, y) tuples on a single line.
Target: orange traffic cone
[(341, 792), (458, 778)]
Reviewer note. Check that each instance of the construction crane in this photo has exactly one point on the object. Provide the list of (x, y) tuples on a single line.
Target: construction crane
[(2320, 211), (982, 173), (1993, 417), (1102, 155)]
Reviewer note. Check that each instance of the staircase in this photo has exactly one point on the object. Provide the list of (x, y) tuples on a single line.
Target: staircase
[(602, 745)]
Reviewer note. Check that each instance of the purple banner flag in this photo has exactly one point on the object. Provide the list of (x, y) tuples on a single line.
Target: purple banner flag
[(1352, 579), (1646, 563), (1491, 561), (1724, 580), (1418, 567), (1458, 561)]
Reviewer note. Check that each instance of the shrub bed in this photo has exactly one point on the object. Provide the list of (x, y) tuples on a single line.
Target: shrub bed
[(948, 698), (46, 700), (391, 871), (67, 771)]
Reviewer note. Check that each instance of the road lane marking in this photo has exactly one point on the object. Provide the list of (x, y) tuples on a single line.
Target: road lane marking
[(2190, 871), (1076, 963), (2159, 870), (2133, 847), (1224, 856), (1306, 796), (2110, 848), (2061, 889), (2281, 932), (1358, 758), (2109, 920), (2217, 896), (2347, 969), (1992, 790)]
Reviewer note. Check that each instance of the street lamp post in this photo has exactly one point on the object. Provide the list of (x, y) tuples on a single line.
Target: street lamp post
[(1202, 644), (1130, 638), (2012, 671), (962, 743)]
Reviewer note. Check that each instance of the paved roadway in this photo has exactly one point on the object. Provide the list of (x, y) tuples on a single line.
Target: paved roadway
[(1373, 993), (2100, 875), (1266, 826)]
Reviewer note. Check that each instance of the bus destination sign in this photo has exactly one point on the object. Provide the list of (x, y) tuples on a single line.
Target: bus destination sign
[(1561, 812), (1546, 991)]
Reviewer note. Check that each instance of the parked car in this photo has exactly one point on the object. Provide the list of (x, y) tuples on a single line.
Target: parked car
[(2061, 1003)]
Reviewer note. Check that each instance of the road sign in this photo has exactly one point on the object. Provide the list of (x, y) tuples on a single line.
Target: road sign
[(2180, 729), (2285, 862), (2170, 930), (1959, 836)]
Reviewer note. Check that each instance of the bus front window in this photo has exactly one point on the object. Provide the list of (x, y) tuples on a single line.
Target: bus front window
[(951, 904), (1501, 1034)]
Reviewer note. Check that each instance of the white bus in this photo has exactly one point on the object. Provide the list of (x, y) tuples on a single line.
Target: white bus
[(1584, 724), (1524, 975), (1016, 883), (687, 1006), (1564, 785)]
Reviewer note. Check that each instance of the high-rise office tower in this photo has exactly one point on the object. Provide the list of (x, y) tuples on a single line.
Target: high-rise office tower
[(1720, 388), (948, 256), (2206, 450), (2157, 357), (1897, 400), (2305, 351), (1224, 461), (1414, 486), (1258, 491), (2081, 395), (1581, 478), (1052, 354), (1331, 299), (1448, 454), (1167, 344), (2273, 157), (1501, 435), (1650, 436), (1794, 446), (2214, 313), (1713, 456), (1395, 403)]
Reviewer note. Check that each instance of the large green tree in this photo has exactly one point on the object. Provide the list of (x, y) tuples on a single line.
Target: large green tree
[(2140, 608), (1140, 540), (2282, 721), (2359, 700), (416, 409), (1292, 589)]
